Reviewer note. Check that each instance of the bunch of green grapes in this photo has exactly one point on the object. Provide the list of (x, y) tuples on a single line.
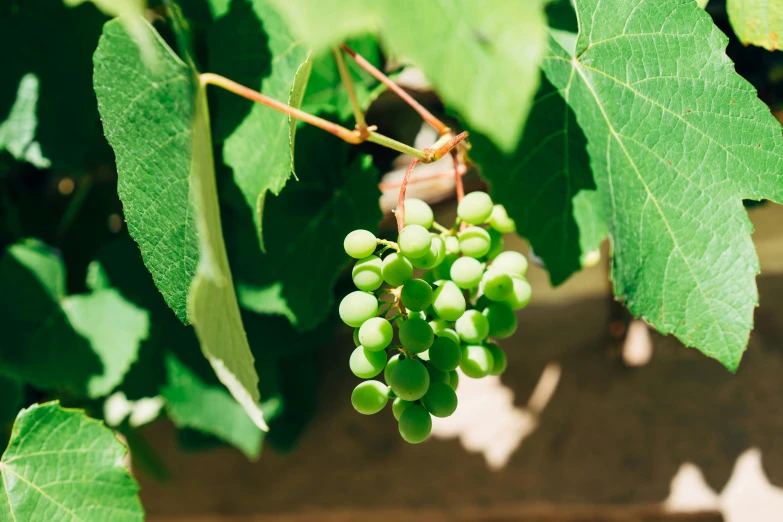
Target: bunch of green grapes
[(445, 319)]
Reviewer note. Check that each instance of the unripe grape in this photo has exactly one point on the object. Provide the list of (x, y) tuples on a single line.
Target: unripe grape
[(434, 256), (409, 379), (369, 397), (520, 296), (399, 406), (476, 361), (360, 243), (440, 400), (497, 285), (496, 243), (396, 269), (452, 245), (466, 272), (418, 212), (475, 208), (437, 375), (500, 221), (474, 242), (414, 241), (438, 325), (390, 365), (454, 380), (445, 354), (416, 295), (357, 307), (499, 361), (443, 270), (367, 364), (472, 327), (416, 335), (448, 302), (511, 262), (502, 320), (415, 424), (366, 273), (376, 334), (450, 333)]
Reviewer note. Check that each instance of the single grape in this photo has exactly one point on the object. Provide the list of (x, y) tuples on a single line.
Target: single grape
[(416, 295), (511, 262), (454, 380), (396, 269), (496, 243), (475, 208), (466, 272), (445, 354), (452, 245), (500, 221), (520, 296), (502, 320), (476, 361), (356, 341), (434, 256), (369, 397), (438, 325), (440, 400), (437, 375), (499, 361), (474, 242), (448, 302), (367, 364), (449, 333), (357, 307), (472, 327), (399, 406), (414, 241), (498, 286), (417, 212), (360, 243), (390, 365), (415, 424), (366, 273), (376, 334), (409, 379), (416, 335)]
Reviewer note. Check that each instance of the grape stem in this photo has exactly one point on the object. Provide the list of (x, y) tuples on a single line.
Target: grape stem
[(440, 228), (400, 213), (388, 244), (426, 177), (345, 75)]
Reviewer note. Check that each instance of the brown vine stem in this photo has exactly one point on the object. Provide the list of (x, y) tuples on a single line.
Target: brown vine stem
[(460, 188), (401, 201), (345, 75), (426, 177), (426, 115)]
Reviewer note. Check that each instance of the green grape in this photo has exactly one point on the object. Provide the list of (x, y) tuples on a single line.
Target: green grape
[(499, 361), (367, 364), (500, 221), (496, 243), (454, 380), (434, 256), (369, 397), (476, 361), (390, 365), (424, 356), (360, 243), (466, 272), (357, 307), (452, 245), (414, 241), (521, 294), (415, 424), (399, 406), (475, 208), (440, 400), (409, 379), (445, 354), (449, 333), (474, 242), (438, 325), (448, 302), (396, 269), (366, 273), (498, 286), (472, 327), (510, 262), (416, 295), (356, 341), (376, 334), (437, 375), (443, 270), (502, 320), (417, 212), (416, 335)]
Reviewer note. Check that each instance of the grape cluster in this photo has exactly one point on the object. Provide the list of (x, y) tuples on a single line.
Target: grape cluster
[(444, 319)]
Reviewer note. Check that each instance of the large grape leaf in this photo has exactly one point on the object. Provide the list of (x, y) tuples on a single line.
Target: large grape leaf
[(62, 465), (497, 46), (677, 140), (167, 185), (757, 22)]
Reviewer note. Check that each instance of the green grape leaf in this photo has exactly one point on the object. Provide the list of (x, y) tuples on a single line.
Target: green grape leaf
[(167, 185), (677, 140), (83, 342), (546, 185), (757, 22), (17, 132), (62, 465), (498, 45)]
